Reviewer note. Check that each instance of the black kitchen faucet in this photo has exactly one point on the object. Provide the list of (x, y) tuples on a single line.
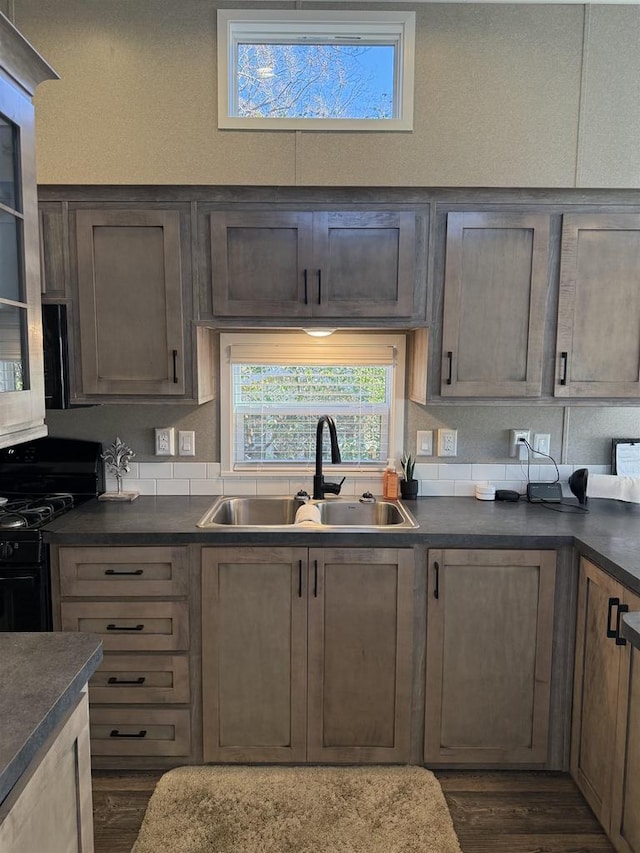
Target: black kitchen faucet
[(320, 488)]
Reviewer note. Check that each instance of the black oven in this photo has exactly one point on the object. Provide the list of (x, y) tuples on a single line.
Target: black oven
[(25, 599), (39, 480)]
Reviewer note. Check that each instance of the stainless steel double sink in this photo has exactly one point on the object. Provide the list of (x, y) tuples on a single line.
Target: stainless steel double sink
[(257, 513)]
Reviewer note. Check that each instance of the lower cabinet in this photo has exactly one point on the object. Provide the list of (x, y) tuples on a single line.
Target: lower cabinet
[(50, 807), (137, 600), (488, 660), (307, 654), (605, 749)]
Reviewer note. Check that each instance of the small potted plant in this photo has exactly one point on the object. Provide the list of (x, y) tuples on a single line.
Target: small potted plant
[(408, 484)]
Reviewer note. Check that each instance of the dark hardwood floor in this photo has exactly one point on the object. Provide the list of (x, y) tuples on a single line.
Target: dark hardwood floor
[(493, 812)]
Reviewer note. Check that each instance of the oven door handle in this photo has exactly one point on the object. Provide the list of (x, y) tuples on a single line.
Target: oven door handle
[(30, 579)]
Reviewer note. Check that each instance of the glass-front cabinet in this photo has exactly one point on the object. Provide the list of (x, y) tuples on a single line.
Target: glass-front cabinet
[(21, 369)]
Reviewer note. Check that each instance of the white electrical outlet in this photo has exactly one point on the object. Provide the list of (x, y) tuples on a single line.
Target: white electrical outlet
[(517, 447), (186, 442), (447, 442), (424, 442), (542, 442), (165, 441)]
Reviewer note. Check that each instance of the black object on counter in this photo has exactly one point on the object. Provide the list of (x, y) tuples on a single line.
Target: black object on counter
[(507, 495)]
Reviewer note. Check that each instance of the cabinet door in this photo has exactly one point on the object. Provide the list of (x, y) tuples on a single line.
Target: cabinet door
[(130, 302), (495, 291), (364, 264), (49, 808), (595, 699), (254, 622), (489, 632), (360, 634), (22, 408), (625, 810), (54, 251), (261, 263), (598, 340)]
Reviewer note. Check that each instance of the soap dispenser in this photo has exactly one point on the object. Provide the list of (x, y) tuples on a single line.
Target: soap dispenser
[(390, 482)]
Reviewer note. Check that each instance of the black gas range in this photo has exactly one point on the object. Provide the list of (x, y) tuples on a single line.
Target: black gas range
[(39, 481)]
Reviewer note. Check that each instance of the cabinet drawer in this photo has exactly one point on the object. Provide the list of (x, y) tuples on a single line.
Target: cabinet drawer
[(154, 679), (140, 731), (95, 572), (131, 625)]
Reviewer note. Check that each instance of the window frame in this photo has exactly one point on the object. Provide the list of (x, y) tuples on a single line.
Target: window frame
[(233, 23), (269, 343)]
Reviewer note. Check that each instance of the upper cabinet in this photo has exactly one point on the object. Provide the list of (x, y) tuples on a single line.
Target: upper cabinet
[(343, 266), (495, 292), (598, 340), (130, 301), (21, 370), (124, 270)]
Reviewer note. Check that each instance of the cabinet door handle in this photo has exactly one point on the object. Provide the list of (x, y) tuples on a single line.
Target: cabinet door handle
[(315, 578), (114, 680), (612, 632), (115, 572), (175, 366), (299, 578), (306, 287), (564, 357), (116, 733), (436, 588), (319, 287), (112, 627), (622, 608), (450, 367)]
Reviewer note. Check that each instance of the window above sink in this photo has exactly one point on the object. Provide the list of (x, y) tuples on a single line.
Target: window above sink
[(275, 385)]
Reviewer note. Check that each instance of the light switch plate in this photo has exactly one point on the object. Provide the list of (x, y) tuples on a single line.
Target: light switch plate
[(186, 442), (424, 442)]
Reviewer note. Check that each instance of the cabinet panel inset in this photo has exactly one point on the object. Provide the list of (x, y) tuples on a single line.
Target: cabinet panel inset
[(359, 655), (255, 622)]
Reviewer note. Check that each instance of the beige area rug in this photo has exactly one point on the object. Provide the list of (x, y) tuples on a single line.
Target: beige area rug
[(297, 810)]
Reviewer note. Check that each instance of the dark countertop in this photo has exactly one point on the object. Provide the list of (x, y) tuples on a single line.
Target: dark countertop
[(609, 534), (41, 676), (631, 628)]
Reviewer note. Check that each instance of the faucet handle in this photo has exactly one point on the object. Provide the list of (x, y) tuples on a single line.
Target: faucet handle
[(333, 488)]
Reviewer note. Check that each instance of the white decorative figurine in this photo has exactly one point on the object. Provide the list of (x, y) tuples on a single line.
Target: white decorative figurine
[(117, 457)]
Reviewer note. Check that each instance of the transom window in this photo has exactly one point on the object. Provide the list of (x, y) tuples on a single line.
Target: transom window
[(315, 70), (275, 386)]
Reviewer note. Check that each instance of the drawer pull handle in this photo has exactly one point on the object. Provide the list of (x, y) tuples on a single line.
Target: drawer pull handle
[(306, 288), (319, 287), (175, 366), (113, 627), (114, 572), (116, 733), (114, 680)]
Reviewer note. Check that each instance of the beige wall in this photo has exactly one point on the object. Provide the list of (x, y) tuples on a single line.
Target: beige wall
[(506, 95)]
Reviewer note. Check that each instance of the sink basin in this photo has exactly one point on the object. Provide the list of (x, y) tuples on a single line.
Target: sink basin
[(251, 513)]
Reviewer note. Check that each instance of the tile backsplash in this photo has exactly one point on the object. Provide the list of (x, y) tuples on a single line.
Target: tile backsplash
[(436, 479)]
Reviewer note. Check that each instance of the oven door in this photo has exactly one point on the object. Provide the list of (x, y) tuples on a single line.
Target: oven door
[(24, 599)]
